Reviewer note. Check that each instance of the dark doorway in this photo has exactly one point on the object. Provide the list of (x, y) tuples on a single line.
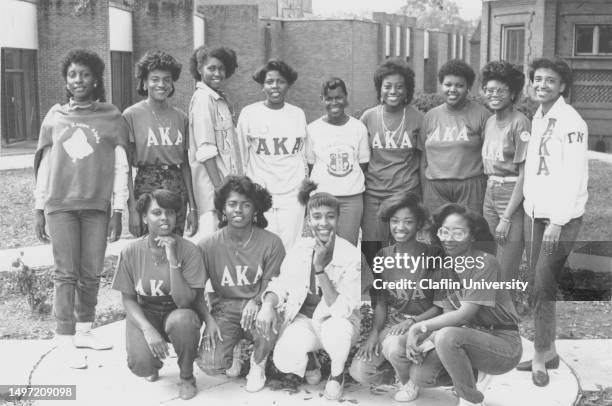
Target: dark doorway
[(19, 95), (121, 78)]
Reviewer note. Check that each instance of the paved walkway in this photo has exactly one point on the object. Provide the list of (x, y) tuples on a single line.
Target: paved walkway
[(108, 381)]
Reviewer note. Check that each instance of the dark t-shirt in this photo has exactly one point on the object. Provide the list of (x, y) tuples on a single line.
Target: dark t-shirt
[(239, 272), (138, 274), (496, 307), (418, 300), (394, 159)]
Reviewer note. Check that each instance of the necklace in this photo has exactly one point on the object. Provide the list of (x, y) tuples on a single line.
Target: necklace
[(239, 246), (161, 122), (158, 259), (390, 135)]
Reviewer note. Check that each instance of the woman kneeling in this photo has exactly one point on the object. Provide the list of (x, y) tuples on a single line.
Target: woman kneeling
[(318, 294), (478, 332), (161, 278)]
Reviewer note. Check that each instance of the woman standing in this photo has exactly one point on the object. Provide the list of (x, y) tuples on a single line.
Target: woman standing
[(158, 139), (274, 132), (506, 135), (240, 260), (81, 168), (161, 279), (337, 152), (556, 178), (451, 139), (393, 127), (397, 309), (479, 327), (214, 148)]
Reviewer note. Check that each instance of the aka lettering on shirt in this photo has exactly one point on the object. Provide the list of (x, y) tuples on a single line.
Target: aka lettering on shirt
[(448, 134), (164, 139), (391, 141), (241, 278), (278, 146)]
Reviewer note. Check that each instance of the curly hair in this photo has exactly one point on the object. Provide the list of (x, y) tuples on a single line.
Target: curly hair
[(404, 200), (151, 61), (259, 195), (478, 226), (395, 66), (559, 66), (202, 53), (281, 67), (457, 67), (311, 200), (165, 199), (93, 61), (332, 84), (506, 73)]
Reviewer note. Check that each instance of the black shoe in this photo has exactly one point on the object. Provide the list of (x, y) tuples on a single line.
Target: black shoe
[(540, 378), (526, 365)]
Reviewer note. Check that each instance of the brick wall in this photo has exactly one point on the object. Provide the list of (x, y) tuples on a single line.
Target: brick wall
[(166, 25), (61, 28), (265, 8)]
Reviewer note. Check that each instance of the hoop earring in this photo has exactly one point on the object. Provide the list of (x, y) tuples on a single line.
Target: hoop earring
[(255, 218), (224, 218), (95, 85)]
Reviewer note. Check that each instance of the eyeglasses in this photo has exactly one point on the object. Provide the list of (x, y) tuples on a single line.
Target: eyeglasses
[(456, 235), (490, 91)]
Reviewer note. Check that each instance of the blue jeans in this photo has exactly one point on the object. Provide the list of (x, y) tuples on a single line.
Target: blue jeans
[(181, 327), (351, 211), (227, 314), (497, 197), (461, 350), (78, 239), (544, 273)]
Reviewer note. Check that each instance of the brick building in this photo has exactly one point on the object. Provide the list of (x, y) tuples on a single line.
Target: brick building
[(35, 34), (579, 32)]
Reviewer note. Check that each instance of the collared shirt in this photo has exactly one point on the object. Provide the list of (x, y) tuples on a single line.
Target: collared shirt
[(211, 135), (556, 168)]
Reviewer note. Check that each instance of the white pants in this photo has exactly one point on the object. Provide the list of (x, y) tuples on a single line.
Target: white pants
[(207, 224), (303, 335), (286, 218)]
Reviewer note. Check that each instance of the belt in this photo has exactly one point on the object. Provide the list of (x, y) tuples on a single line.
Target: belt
[(503, 179), (163, 167)]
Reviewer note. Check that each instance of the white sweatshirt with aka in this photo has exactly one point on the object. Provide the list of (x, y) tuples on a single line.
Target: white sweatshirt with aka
[(556, 168)]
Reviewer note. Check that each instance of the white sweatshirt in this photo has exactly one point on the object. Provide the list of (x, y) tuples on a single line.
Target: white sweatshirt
[(556, 168)]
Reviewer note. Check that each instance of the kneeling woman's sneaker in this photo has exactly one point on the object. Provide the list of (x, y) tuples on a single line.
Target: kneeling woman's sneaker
[(256, 379), (187, 388), (334, 387), (407, 392)]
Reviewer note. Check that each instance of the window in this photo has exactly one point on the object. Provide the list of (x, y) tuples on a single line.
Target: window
[(426, 44), (408, 40), (513, 44), (593, 40), (387, 40), (461, 45), (398, 41), (453, 45)]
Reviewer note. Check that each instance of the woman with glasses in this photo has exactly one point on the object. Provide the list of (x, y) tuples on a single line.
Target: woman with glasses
[(556, 177), (451, 140), (158, 139), (478, 330), (504, 150)]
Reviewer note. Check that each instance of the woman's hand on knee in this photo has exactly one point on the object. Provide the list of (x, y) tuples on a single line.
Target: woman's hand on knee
[(249, 313), (266, 321), (370, 348), (211, 334), (156, 343)]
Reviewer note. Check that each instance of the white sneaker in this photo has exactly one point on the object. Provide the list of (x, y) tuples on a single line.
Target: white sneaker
[(407, 392), (71, 356), (333, 389), (256, 379), (483, 381), (86, 339), (463, 402), (313, 377)]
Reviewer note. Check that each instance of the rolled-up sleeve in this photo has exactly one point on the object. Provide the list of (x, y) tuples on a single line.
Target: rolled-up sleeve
[(348, 287)]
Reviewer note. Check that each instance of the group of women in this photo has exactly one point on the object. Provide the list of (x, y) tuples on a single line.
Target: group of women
[(241, 193)]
